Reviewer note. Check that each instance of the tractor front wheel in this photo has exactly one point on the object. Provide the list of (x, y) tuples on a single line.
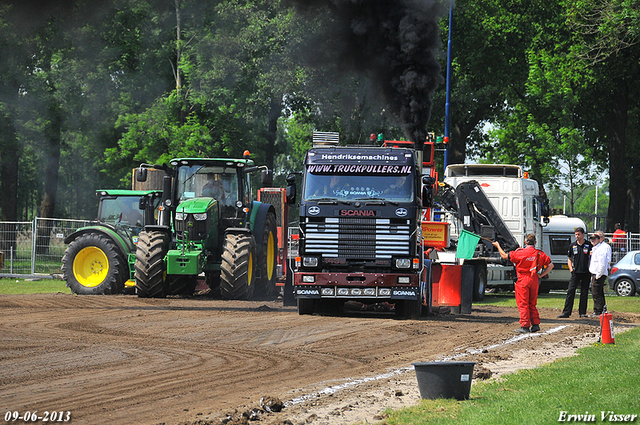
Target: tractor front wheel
[(94, 265), (266, 284), (237, 269), (151, 270)]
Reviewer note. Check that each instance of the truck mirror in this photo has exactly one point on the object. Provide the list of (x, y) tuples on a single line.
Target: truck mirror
[(427, 191), (141, 174), (291, 189), (267, 178), (142, 204), (291, 194)]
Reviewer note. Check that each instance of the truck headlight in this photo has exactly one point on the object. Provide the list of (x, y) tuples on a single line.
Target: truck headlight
[(310, 261), (404, 280), (181, 216), (308, 278), (403, 263), (200, 217)]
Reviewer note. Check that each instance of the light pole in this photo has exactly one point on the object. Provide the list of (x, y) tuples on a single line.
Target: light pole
[(595, 211), (447, 113)]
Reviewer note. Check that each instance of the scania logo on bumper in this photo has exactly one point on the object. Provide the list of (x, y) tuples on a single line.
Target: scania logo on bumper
[(308, 292), (404, 293), (402, 212), (314, 210)]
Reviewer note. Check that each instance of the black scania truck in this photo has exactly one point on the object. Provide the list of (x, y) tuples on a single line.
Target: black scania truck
[(360, 235)]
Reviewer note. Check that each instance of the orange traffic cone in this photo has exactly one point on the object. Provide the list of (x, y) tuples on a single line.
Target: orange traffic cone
[(606, 329)]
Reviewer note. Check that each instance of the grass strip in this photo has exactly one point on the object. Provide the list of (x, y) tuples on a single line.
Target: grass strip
[(29, 286), (600, 381), (614, 303)]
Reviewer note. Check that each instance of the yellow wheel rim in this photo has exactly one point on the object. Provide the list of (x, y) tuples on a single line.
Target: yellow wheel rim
[(270, 257), (91, 266), (250, 274)]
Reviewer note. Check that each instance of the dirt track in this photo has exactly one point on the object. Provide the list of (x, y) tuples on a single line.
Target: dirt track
[(125, 360)]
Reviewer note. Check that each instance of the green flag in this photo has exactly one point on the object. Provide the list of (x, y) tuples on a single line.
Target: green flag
[(467, 243)]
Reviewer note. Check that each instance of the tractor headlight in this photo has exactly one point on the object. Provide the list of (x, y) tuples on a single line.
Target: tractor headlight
[(200, 217), (181, 216), (403, 263)]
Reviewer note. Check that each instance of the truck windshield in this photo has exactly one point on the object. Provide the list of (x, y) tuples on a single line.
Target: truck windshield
[(397, 188), (220, 183)]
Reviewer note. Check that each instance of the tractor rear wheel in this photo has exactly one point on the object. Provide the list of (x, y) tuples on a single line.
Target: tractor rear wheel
[(94, 265), (151, 270), (267, 262), (237, 269)]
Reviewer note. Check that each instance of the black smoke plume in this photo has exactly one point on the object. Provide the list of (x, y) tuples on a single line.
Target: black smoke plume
[(393, 42)]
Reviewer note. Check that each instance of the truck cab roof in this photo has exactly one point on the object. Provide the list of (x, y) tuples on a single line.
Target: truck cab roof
[(498, 170)]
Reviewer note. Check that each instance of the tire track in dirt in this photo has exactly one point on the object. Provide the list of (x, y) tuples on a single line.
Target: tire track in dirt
[(125, 360)]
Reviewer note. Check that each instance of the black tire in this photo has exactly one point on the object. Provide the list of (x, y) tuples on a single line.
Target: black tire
[(268, 259), (479, 281), (306, 306), (94, 265), (150, 266), (237, 271), (625, 288), (183, 285), (412, 309), (213, 282)]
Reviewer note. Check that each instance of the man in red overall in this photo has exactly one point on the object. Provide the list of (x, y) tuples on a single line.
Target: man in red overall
[(528, 262)]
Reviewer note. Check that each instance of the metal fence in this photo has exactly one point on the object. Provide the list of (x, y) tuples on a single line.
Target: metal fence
[(35, 248), (621, 245), (36, 253)]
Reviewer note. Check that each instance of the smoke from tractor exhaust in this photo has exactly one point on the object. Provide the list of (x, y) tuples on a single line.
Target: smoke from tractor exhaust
[(394, 43)]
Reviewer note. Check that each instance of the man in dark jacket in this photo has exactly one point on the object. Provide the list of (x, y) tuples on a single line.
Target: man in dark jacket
[(579, 255)]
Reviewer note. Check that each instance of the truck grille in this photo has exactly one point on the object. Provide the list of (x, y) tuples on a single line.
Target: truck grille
[(357, 238)]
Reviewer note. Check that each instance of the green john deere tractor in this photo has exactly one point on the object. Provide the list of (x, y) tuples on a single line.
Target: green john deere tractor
[(100, 258), (209, 225)]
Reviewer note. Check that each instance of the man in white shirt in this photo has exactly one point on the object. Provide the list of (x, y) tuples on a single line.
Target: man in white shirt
[(599, 269)]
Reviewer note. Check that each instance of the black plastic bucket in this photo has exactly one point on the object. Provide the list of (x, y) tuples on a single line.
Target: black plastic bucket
[(444, 379)]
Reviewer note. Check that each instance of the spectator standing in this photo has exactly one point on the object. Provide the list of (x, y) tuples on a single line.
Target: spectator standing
[(619, 237), (599, 268), (528, 262), (578, 262), (618, 242)]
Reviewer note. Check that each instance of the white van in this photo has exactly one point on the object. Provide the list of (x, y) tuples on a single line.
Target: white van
[(557, 236)]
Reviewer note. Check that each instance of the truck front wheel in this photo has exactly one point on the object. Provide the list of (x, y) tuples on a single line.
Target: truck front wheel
[(408, 309), (237, 269), (151, 271), (94, 265), (306, 306)]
